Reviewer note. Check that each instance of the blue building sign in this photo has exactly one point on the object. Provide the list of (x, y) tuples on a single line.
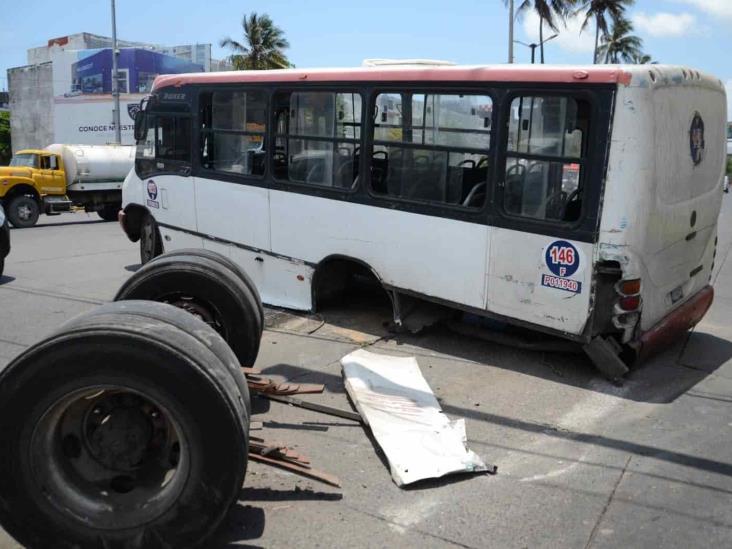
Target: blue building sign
[(137, 69)]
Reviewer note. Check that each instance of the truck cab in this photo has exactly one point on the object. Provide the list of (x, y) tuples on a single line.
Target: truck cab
[(32, 175)]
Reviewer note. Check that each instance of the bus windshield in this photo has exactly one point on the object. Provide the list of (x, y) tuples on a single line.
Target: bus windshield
[(27, 160)]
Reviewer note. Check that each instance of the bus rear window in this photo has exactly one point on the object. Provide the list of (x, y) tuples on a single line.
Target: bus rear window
[(544, 157)]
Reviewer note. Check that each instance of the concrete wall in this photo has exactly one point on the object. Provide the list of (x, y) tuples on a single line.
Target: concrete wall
[(31, 106)]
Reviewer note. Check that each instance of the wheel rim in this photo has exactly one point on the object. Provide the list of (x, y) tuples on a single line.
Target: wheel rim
[(202, 310), (24, 212), (111, 455), (147, 240)]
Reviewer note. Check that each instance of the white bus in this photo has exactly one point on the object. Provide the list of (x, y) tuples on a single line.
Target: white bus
[(578, 201)]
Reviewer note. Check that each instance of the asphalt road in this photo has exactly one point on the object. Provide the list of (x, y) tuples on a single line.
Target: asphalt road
[(581, 462)]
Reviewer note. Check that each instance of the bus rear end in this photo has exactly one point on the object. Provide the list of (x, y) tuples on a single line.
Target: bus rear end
[(663, 192)]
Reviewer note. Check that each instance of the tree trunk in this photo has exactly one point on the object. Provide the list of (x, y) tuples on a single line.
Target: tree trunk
[(597, 40), (541, 38)]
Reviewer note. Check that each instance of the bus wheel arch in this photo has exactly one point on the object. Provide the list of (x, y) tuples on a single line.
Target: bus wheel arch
[(134, 214), (333, 273)]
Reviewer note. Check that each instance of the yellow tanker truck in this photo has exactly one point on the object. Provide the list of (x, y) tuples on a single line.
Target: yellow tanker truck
[(54, 179)]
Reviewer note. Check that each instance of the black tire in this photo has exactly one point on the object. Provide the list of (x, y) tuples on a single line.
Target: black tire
[(2, 266), (109, 212), (132, 375), (207, 289), (231, 265), (23, 211), (151, 245)]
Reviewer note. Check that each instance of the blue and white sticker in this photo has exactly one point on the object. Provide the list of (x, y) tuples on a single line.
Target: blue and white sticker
[(563, 260), (152, 193)]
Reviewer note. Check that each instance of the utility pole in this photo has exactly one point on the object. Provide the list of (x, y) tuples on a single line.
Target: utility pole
[(115, 80), (510, 31)]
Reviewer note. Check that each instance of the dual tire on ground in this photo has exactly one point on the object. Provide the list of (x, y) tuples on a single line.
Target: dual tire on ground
[(135, 416), (126, 428)]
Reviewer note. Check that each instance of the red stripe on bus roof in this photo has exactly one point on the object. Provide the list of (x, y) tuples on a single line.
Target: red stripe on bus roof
[(495, 73)]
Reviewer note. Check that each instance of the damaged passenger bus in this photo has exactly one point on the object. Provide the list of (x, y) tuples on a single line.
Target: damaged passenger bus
[(577, 201)]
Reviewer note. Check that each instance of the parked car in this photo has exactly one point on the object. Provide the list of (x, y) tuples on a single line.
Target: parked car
[(4, 239)]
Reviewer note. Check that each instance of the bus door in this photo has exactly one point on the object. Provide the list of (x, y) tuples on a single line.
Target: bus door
[(232, 204), (540, 266), (164, 166)]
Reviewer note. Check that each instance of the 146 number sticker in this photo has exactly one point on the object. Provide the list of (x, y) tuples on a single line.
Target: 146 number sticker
[(563, 260)]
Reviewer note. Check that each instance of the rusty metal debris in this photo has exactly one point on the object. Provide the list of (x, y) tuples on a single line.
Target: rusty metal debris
[(279, 455), (329, 410), (266, 385), (285, 458)]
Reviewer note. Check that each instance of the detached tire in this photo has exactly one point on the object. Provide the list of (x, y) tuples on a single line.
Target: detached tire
[(151, 245), (207, 289), (120, 430), (233, 267), (23, 212)]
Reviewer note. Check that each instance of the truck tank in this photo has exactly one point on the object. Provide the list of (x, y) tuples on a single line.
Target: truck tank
[(93, 166)]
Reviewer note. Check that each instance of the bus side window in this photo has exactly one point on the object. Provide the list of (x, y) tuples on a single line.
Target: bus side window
[(432, 147), (233, 130), (318, 138), (545, 157)]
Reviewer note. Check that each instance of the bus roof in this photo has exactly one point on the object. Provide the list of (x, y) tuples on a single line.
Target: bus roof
[(645, 76), (597, 74)]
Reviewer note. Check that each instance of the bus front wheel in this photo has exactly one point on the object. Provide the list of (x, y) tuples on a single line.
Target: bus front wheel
[(151, 245)]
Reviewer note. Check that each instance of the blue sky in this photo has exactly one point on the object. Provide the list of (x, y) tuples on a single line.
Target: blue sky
[(332, 33)]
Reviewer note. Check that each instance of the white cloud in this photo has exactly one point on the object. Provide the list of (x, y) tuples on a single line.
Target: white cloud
[(665, 24), (569, 39), (720, 8)]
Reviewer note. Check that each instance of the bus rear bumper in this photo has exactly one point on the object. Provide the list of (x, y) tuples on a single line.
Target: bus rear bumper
[(672, 326)]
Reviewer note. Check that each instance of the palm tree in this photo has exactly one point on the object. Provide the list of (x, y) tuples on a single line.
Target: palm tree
[(620, 45), (263, 48), (549, 11), (599, 10), (643, 59)]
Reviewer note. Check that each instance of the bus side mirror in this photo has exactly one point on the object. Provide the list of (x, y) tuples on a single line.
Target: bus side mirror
[(140, 125)]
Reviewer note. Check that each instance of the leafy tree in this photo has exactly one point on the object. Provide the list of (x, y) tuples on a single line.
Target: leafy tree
[(599, 11), (263, 46), (550, 11), (620, 45), (6, 151)]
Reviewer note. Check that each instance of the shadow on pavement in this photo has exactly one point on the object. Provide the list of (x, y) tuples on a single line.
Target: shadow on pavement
[(5, 279), (245, 523), (133, 268)]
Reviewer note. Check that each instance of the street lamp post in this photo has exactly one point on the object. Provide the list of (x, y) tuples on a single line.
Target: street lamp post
[(535, 45), (115, 80)]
